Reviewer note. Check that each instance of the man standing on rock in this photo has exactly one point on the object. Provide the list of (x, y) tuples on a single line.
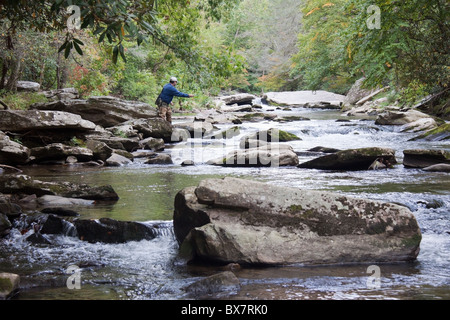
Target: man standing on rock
[(165, 99)]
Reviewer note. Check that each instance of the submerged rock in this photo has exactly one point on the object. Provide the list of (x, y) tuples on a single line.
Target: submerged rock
[(241, 221), (112, 231), (224, 283), (352, 159)]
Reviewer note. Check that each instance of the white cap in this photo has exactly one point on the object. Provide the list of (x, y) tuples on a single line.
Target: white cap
[(173, 79)]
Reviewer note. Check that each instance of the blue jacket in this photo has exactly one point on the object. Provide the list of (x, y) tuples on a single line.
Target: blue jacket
[(169, 91)]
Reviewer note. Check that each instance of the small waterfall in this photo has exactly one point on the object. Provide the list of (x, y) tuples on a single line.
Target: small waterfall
[(69, 229), (162, 228)]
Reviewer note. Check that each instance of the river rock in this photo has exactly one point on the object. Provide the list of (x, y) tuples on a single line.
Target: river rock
[(161, 158), (9, 209), (270, 155), (234, 220), (441, 167), (196, 129), (5, 225), (351, 159), (310, 99), (400, 117), (419, 125), (152, 127), (223, 283), (59, 151), (105, 111), (12, 152), (226, 134), (237, 108), (58, 201), (421, 158), (28, 120), (112, 231), (240, 99), (38, 238), (216, 117), (117, 160), (440, 133), (272, 135), (153, 144), (100, 150), (23, 184), (9, 284)]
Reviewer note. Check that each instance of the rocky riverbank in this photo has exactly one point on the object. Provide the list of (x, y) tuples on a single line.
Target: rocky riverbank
[(107, 131)]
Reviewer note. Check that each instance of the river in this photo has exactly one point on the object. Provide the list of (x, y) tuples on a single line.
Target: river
[(151, 269)]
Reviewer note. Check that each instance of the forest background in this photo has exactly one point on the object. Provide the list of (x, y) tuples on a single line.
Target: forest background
[(130, 49)]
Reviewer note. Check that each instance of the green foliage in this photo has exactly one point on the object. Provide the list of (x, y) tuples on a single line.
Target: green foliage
[(410, 47), (21, 100), (318, 63)]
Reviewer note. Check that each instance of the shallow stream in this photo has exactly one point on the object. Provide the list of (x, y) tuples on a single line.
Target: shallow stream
[(152, 270)]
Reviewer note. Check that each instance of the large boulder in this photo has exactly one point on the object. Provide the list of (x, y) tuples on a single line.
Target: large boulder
[(152, 127), (319, 99), (24, 184), (234, 220), (240, 99), (28, 120), (270, 155), (400, 117), (113, 231), (422, 158), (351, 159), (105, 111), (12, 152)]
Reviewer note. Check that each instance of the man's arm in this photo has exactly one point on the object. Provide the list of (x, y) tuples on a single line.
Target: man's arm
[(177, 93)]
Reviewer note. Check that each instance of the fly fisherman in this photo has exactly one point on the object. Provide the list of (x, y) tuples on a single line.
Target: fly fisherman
[(165, 98)]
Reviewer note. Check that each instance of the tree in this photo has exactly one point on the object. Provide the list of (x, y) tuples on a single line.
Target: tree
[(411, 46), (172, 23)]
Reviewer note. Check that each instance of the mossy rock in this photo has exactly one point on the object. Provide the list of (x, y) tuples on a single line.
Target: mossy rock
[(272, 135), (9, 283), (437, 134), (352, 159)]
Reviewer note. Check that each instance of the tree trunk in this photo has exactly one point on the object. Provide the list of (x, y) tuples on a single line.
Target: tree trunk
[(14, 76), (4, 73)]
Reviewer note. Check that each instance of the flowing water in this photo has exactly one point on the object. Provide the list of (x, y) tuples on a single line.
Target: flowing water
[(151, 269)]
